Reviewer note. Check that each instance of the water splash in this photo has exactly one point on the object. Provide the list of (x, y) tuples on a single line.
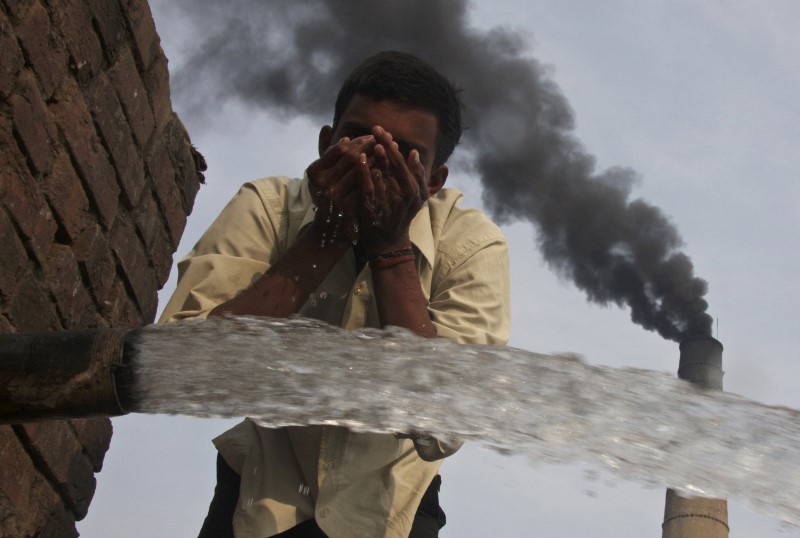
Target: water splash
[(639, 424)]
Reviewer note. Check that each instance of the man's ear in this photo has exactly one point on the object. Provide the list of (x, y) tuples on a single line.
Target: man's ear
[(325, 135), (437, 179)]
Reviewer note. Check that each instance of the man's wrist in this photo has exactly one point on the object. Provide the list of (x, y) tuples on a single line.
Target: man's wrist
[(390, 259), (373, 249)]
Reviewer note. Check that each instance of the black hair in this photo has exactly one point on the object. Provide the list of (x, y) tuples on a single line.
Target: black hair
[(402, 77)]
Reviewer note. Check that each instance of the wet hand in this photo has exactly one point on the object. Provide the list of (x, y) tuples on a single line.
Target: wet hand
[(335, 189), (393, 189)]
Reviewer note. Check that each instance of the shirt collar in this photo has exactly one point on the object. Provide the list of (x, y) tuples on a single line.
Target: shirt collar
[(420, 230)]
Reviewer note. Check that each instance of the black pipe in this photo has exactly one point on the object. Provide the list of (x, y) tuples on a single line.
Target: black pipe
[(66, 374)]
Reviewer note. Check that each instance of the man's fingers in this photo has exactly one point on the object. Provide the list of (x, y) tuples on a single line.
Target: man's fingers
[(338, 160), (418, 170), (365, 179), (348, 182), (345, 149), (380, 198), (406, 177), (380, 159), (380, 162), (390, 148)]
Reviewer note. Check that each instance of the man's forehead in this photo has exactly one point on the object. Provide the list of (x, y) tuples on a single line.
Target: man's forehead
[(363, 106)]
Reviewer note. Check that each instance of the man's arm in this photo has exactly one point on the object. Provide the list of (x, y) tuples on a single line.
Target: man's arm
[(394, 190), (285, 286)]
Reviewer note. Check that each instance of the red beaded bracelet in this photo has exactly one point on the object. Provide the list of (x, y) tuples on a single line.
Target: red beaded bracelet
[(383, 263), (393, 254)]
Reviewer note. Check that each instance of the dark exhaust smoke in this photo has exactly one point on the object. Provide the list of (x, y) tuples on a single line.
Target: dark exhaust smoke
[(290, 57)]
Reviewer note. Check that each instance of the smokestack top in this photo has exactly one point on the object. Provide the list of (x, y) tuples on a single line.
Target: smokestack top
[(701, 339), (701, 361)]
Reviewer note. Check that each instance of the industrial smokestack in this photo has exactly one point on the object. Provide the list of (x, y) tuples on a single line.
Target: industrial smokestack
[(291, 57), (65, 374), (701, 364)]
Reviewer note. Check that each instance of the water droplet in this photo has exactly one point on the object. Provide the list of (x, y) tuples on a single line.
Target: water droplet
[(340, 214), (323, 295), (355, 242), (355, 228), (314, 208), (313, 265)]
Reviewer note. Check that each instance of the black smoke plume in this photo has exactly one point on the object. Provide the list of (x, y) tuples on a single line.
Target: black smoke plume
[(290, 57)]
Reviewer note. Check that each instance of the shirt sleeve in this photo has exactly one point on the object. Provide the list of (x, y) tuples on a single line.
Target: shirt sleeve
[(238, 247), (470, 296)]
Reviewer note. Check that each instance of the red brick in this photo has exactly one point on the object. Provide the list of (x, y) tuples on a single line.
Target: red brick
[(56, 451), (32, 124), (64, 192), (167, 192), (92, 319), (90, 158), (143, 29), (11, 60), (48, 59), (156, 80), (121, 309), (24, 203), (114, 130), (134, 262), (5, 325), (28, 494), (97, 265), (17, 9), (30, 309), (110, 25), (184, 158), (150, 225), (94, 434), (74, 22), (66, 284), (14, 260), (133, 96), (58, 524)]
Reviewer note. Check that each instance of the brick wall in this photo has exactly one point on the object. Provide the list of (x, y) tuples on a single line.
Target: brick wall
[(97, 176)]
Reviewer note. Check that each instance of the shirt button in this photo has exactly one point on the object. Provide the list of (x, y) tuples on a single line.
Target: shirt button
[(328, 465), (358, 289), (324, 512)]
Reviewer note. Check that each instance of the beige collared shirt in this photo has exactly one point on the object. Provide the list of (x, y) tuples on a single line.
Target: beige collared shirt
[(354, 484)]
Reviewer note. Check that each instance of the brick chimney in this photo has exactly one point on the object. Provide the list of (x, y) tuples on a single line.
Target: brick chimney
[(97, 176)]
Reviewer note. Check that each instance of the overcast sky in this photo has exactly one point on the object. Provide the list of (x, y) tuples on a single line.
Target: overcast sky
[(700, 98)]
